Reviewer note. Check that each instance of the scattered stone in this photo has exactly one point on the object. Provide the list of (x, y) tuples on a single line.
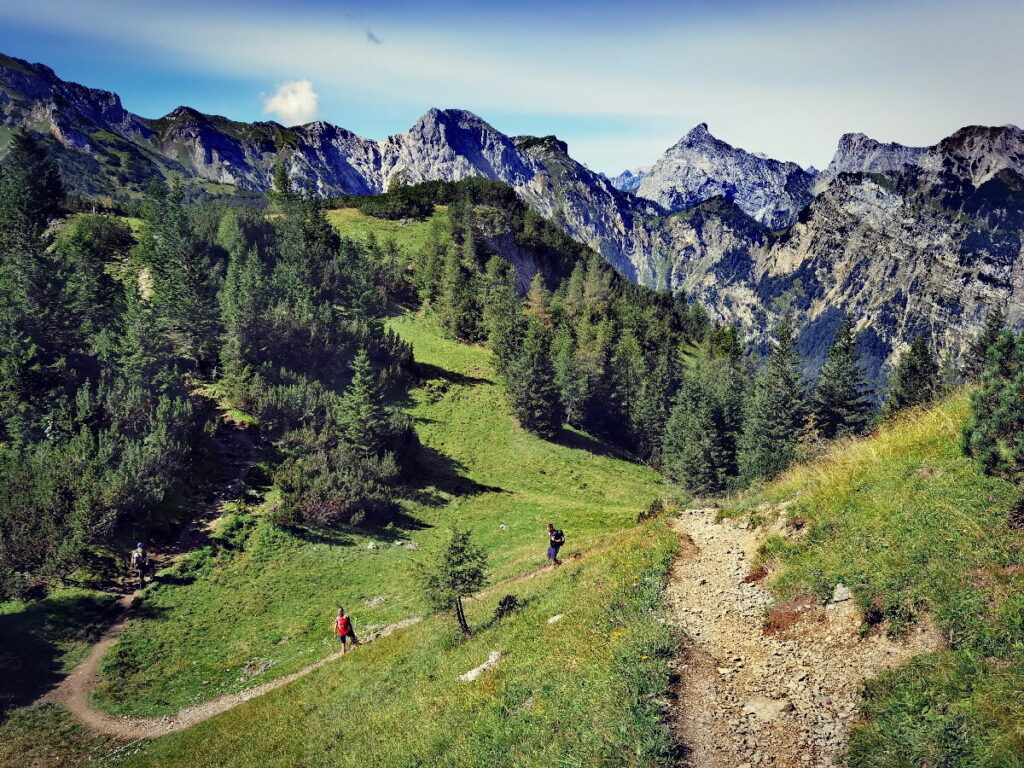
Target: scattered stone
[(374, 601), (556, 618), (373, 545), (411, 545), (257, 666), (503, 527), (841, 593), (767, 709), (473, 674)]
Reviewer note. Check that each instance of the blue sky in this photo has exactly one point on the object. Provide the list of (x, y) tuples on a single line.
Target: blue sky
[(620, 81)]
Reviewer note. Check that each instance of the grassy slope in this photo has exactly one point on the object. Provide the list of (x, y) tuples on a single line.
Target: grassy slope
[(271, 604), (579, 692), (407, 235), (911, 525)]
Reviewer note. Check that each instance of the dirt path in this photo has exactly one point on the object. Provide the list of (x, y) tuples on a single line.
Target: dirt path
[(73, 692), (747, 698)]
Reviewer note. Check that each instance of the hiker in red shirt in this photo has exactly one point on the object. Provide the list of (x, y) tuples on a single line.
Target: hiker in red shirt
[(343, 629)]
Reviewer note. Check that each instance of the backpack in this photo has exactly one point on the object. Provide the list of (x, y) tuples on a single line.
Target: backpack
[(138, 559), (558, 535)]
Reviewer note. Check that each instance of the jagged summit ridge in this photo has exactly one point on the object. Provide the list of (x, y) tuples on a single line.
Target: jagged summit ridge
[(701, 166)]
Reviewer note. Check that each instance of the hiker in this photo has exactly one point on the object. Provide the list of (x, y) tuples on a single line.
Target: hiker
[(555, 541), (343, 629), (139, 561)]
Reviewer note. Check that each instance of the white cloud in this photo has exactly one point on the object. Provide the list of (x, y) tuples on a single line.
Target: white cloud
[(294, 103)]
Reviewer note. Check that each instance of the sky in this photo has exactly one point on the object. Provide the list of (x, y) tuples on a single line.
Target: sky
[(619, 81)]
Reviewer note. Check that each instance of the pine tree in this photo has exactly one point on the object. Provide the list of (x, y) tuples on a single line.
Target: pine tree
[(362, 416), (692, 455), (976, 358), (651, 410), (775, 411), (184, 276), (629, 369), (457, 571), (532, 389), (457, 309), (915, 380), (428, 265), (538, 301), (31, 192), (502, 312), (842, 399), (571, 382), (993, 436)]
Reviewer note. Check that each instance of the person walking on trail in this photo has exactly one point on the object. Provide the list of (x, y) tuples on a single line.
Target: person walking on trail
[(139, 561), (555, 541), (343, 629)]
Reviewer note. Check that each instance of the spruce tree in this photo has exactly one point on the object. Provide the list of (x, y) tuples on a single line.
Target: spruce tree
[(532, 389), (31, 192), (457, 309), (976, 359), (502, 312), (994, 434), (651, 410), (692, 453), (842, 399), (915, 381), (775, 411), (538, 301), (629, 369), (457, 571), (362, 416), (572, 384)]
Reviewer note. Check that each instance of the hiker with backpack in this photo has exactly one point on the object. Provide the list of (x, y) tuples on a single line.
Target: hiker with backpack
[(555, 541), (343, 629), (139, 561)]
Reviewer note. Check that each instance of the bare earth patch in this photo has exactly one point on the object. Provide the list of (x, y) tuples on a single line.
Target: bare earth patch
[(763, 684)]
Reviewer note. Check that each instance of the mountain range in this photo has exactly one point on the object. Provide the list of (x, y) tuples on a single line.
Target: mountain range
[(912, 241)]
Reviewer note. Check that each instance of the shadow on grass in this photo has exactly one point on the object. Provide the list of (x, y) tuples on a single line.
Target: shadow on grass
[(428, 371), (436, 472), (570, 438), (31, 642)]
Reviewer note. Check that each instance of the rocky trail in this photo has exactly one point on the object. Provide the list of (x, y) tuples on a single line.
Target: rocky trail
[(763, 685)]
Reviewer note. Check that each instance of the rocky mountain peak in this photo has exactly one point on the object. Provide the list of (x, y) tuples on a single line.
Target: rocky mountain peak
[(700, 166), (978, 152), (859, 153)]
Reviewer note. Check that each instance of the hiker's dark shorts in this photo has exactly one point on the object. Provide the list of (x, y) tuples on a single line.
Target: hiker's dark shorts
[(350, 637), (552, 553)]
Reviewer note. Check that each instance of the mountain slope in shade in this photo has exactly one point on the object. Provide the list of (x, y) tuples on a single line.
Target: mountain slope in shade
[(912, 241), (700, 166), (629, 180)]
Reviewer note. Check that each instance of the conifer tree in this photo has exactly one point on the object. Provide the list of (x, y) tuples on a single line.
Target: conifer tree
[(629, 369), (775, 411), (976, 358), (31, 192), (572, 384), (184, 276), (502, 313), (693, 452), (457, 571), (993, 435), (362, 416), (915, 380), (651, 410), (457, 309), (532, 389), (538, 301), (842, 399), (428, 265)]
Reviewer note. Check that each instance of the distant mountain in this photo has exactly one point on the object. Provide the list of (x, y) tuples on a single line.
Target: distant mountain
[(629, 180), (911, 240), (699, 167)]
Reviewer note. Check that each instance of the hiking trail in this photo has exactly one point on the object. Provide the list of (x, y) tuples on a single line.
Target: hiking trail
[(782, 692), (73, 692)]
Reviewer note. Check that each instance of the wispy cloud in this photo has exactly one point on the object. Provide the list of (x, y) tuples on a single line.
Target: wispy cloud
[(786, 81), (294, 103), (372, 38)]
